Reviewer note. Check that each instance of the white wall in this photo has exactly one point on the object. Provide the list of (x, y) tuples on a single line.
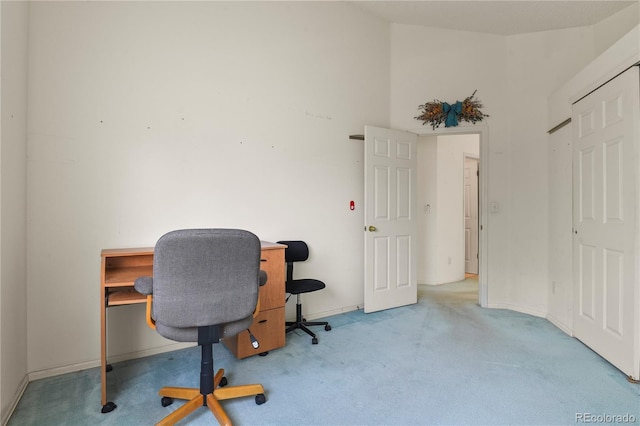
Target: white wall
[(514, 77), (147, 117), (537, 64), (13, 194), (441, 226), (426, 196), (610, 30)]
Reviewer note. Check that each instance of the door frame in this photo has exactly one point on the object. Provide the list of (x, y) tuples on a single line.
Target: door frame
[(483, 165), (467, 156)]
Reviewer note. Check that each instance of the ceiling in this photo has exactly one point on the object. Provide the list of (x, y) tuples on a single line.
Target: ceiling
[(495, 17)]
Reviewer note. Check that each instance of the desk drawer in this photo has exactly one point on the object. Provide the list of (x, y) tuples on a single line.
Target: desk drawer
[(267, 328), (272, 294)]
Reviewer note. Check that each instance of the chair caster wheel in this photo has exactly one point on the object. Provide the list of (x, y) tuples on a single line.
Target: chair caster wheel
[(327, 327), (260, 399), (314, 341), (108, 407), (223, 382), (166, 401)]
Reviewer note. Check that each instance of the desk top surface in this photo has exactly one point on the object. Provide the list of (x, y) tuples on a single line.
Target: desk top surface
[(144, 251)]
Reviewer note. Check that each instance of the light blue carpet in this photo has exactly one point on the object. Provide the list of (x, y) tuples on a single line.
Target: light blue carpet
[(442, 361)]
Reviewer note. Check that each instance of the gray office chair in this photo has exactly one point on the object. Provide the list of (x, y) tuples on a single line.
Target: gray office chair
[(204, 287)]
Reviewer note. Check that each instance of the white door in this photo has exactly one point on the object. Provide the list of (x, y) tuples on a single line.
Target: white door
[(390, 221), (606, 297), (471, 215)]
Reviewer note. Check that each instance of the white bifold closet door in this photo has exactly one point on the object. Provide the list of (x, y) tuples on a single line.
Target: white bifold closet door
[(606, 296)]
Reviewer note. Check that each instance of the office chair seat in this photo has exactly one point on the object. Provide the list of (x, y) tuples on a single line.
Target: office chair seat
[(298, 251), (305, 285)]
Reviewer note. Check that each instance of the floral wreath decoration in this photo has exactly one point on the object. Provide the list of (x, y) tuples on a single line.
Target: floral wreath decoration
[(437, 112)]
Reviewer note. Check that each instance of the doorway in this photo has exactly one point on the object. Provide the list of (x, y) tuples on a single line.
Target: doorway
[(443, 252)]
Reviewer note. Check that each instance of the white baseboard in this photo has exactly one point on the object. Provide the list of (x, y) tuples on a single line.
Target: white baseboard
[(325, 314), (6, 413), (565, 328), (553, 320), (518, 308), (56, 371)]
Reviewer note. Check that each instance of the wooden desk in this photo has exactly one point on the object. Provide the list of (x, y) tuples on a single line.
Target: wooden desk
[(120, 268)]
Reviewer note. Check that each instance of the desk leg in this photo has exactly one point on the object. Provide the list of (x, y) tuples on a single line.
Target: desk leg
[(106, 406)]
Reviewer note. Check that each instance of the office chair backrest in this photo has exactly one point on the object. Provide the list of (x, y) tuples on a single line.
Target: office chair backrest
[(296, 251), (205, 277)]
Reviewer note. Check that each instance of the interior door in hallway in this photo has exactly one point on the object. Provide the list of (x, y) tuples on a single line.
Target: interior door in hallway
[(390, 219), (606, 296), (470, 215)]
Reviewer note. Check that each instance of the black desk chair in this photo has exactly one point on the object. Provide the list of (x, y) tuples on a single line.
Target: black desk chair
[(298, 251)]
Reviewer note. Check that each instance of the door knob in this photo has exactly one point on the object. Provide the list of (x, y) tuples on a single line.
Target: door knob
[(372, 228)]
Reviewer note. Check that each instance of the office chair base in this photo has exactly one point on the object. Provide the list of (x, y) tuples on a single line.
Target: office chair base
[(301, 324), (196, 400)]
